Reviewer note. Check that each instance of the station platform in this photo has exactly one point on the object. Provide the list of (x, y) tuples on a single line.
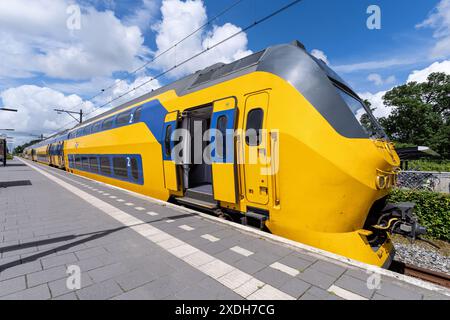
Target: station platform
[(128, 246)]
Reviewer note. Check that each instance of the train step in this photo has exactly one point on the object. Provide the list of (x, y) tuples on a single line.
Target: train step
[(198, 203), (203, 193)]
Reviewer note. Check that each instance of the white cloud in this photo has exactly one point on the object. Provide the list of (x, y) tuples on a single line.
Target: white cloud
[(87, 57), (85, 88), (422, 75), (378, 79), (377, 102), (319, 54), (36, 106), (144, 15), (375, 65), (135, 89), (179, 19), (439, 20), (34, 39)]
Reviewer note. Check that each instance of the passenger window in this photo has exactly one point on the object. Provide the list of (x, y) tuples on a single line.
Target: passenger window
[(253, 127), (221, 143), (123, 118), (97, 127), (85, 163), (105, 165), (107, 124), (137, 114), (77, 162), (120, 167), (93, 162), (134, 169), (167, 140)]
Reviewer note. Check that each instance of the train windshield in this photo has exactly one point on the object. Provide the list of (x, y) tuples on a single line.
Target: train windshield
[(363, 115)]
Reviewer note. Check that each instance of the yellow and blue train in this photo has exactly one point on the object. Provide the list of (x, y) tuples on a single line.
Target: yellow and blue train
[(330, 170)]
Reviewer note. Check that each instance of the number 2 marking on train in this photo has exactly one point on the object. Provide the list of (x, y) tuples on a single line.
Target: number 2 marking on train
[(131, 118), (128, 162)]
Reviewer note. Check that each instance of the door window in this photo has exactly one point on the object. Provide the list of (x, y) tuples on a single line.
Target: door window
[(221, 143), (167, 149), (253, 128)]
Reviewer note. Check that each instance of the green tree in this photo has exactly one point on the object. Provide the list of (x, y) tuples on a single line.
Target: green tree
[(421, 113), (19, 149)]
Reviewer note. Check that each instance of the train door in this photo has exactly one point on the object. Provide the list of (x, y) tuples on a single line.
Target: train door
[(224, 173), (61, 154), (48, 153), (256, 149), (171, 170)]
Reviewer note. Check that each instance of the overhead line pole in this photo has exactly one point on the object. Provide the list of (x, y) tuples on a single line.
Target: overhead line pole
[(71, 113)]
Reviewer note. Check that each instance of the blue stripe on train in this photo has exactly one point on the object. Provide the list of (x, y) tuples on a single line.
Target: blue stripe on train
[(153, 114)]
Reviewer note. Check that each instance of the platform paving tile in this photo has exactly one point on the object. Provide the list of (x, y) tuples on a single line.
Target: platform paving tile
[(315, 293), (41, 292), (249, 265), (68, 296), (108, 272), (273, 277), (119, 263), (90, 263), (317, 278), (45, 276), (355, 285), (329, 268), (157, 289), (295, 261), (15, 268), (90, 252), (265, 257), (135, 279), (397, 292), (229, 256), (358, 274), (59, 287), (100, 291), (295, 287), (377, 296), (68, 258), (12, 285)]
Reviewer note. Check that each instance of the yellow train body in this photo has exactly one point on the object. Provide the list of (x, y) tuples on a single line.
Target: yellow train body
[(320, 192)]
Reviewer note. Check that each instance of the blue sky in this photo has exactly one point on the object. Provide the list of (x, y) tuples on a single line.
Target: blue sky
[(46, 65)]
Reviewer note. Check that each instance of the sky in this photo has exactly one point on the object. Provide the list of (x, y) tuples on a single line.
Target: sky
[(61, 53)]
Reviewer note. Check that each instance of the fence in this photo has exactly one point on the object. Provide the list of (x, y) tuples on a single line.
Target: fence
[(425, 181)]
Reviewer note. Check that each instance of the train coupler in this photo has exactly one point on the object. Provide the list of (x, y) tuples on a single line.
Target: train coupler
[(399, 218)]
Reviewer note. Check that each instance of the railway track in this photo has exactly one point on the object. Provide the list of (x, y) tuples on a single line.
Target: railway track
[(435, 277)]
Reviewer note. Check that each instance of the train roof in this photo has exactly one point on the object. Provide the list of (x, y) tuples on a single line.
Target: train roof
[(279, 59)]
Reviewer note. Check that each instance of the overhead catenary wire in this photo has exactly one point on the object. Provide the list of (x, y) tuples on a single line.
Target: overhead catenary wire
[(248, 27), (116, 83)]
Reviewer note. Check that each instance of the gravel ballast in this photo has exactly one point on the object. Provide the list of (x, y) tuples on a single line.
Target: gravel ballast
[(422, 255)]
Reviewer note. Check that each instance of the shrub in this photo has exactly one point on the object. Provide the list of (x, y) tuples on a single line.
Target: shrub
[(429, 165), (432, 210)]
